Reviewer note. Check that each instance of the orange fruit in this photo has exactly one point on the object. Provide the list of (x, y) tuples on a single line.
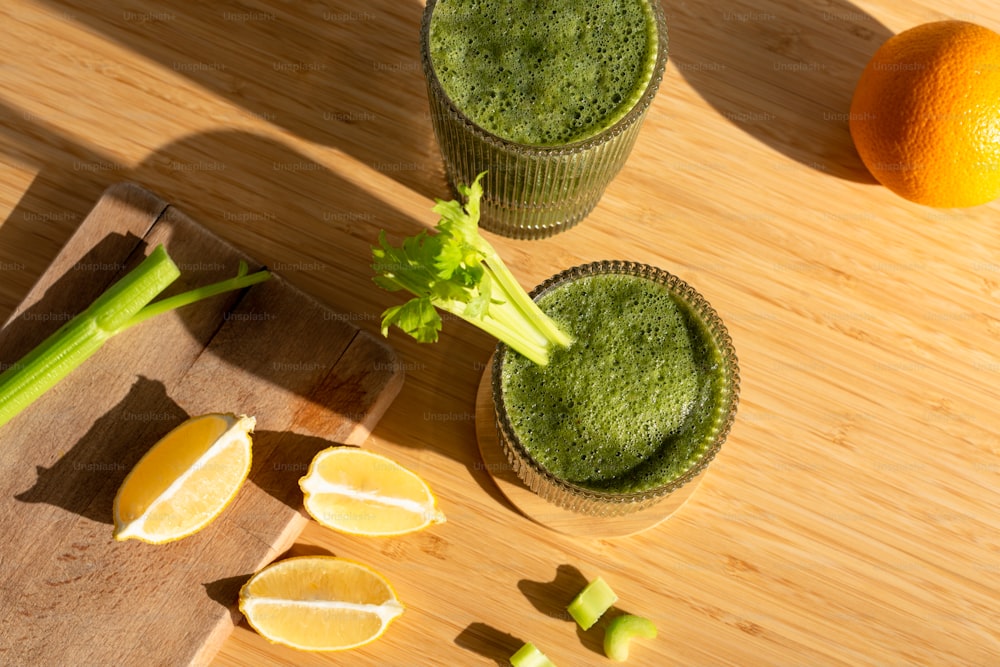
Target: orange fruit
[(925, 116)]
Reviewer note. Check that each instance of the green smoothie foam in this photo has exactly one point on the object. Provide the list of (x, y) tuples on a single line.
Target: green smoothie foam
[(633, 402), (543, 73)]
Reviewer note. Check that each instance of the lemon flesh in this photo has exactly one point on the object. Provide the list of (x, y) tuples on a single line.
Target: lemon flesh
[(319, 603), (363, 493), (186, 480)]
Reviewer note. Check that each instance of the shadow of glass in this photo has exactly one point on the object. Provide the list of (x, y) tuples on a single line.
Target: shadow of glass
[(783, 72), (227, 182), (337, 74), (69, 180), (100, 266), (243, 187)]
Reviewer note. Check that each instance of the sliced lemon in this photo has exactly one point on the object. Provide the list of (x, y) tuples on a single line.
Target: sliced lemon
[(319, 603), (359, 492), (185, 480)]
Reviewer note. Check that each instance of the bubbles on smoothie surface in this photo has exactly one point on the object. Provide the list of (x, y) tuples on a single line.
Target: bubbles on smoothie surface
[(631, 403), (543, 73)]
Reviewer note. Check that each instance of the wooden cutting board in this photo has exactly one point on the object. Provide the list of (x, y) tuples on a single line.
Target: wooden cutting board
[(70, 594)]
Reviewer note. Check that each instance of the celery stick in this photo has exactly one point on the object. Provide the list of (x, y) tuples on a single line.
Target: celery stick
[(591, 603), (620, 632), (124, 304), (458, 271), (75, 341), (241, 280), (529, 656)]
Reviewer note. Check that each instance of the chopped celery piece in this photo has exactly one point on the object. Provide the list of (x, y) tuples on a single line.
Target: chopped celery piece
[(595, 599), (529, 656), (620, 632), (123, 305)]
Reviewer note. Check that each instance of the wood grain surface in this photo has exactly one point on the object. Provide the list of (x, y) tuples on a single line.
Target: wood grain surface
[(852, 517)]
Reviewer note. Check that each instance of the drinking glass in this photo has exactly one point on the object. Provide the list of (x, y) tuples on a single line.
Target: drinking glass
[(582, 500), (534, 191)]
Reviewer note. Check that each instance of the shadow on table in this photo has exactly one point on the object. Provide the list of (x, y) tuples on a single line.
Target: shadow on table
[(551, 598), (243, 187), (227, 181), (489, 642), (335, 73), (782, 72), (85, 479), (226, 590)]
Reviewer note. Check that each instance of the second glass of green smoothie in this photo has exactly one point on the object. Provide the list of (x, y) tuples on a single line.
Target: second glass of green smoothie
[(635, 409), (547, 98)]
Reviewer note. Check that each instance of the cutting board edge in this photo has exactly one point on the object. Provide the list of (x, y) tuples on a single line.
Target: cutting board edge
[(213, 643)]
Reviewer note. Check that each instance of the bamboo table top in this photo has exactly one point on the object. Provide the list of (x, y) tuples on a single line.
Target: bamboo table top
[(852, 517)]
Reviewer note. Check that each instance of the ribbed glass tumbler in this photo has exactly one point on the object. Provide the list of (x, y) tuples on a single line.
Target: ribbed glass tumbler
[(533, 191), (712, 431)]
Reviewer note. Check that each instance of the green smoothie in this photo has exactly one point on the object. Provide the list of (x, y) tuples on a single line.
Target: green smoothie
[(543, 73), (633, 402)]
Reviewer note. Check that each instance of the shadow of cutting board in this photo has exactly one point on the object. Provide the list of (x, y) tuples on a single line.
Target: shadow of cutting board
[(70, 594)]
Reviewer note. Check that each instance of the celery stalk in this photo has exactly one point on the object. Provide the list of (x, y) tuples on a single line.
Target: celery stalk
[(620, 633), (123, 305), (591, 603), (242, 279), (529, 656), (458, 271)]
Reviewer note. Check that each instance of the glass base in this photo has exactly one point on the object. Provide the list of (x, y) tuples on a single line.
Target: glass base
[(529, 222), (530, 192), (548, 514)]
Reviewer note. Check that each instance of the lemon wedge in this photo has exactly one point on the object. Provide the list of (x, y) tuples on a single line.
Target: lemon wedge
[(185, 480), (319, 603), (359, 492)]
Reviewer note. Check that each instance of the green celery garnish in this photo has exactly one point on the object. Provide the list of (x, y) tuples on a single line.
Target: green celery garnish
[(458, 271), (121, 306)]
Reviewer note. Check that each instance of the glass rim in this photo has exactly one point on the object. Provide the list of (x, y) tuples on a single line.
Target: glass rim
[(634, 114), (728, 406)]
